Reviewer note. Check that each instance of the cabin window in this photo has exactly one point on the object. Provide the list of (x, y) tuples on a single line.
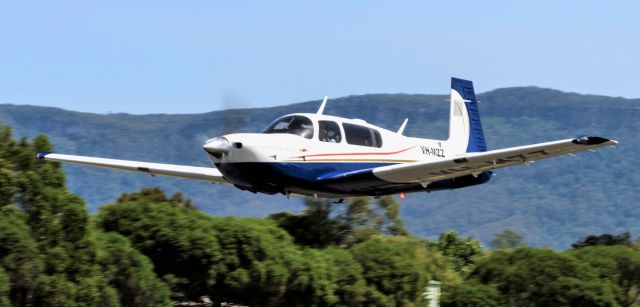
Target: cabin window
[(363, 136), (329, 131), (298, 125)]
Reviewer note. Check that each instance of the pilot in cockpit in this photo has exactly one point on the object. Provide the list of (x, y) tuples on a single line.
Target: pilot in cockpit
[(296, 126), (326, 134)]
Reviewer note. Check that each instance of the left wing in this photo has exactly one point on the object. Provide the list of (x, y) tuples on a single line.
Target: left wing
[(190, 172), (478, 162)]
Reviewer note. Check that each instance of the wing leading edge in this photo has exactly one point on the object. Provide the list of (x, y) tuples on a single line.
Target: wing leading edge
[(189, 172), (476, 163)]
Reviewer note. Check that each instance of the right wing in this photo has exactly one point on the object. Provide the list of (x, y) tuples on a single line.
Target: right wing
[(477, 162), (190, 172), (473, 163)]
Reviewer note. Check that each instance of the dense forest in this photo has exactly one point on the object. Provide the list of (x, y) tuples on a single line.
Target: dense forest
[(550, 203), (152, 249)]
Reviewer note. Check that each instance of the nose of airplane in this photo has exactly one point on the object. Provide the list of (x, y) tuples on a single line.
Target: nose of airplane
[(217, 146)]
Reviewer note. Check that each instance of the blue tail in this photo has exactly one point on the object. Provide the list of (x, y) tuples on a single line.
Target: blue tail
[(475, 137)]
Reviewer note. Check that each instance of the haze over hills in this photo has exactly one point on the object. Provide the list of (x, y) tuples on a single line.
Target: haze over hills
[(551, 203)]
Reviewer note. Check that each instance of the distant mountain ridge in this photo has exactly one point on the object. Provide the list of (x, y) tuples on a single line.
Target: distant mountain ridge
[(552, 203)]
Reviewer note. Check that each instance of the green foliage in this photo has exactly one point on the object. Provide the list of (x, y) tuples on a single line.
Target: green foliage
[(5, 285), (351, 287), (7, 186), (363, 221), (313, 282), (180, 242), (462, 250), (157, 195), (258, 258), (47, 250), (619, 264), (54, 290), (471, 294), (604, 239), (19, 255), (393, 224), (315, 227), (507, 239), (541, 277), (130, 273), (97, 291), (395, 270)]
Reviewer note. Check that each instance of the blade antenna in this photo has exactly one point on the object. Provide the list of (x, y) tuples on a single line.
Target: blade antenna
[(404, 124), (324, 102)]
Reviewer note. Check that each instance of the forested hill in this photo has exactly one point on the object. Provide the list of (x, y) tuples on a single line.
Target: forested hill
[(551, 203)]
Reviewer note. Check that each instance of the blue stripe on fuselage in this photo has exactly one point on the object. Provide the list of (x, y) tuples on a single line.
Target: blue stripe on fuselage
[(313, 171), (290, 172), (335, 178)]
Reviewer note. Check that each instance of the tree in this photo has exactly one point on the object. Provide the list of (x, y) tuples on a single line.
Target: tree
[(19, 256), (315, 227), (623, 239), (130, 272), (7, 185), (5, 286), (49, 255), (181, 242), (327, 277), (362, 220), (259, 261), (395, 271), (54, 290), (461, 250), (471, 294), (351, 286), (157, 195), (393, 224), (620, 264), (313, 281), (507, 239), (541, 277)]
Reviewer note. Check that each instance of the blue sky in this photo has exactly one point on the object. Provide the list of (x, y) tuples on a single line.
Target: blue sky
[(197, 56)]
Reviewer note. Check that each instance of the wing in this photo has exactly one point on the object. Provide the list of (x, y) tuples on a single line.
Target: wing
[(190, 172), (478, 162)]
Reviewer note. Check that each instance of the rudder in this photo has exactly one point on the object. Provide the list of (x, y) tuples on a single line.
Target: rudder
[(465, 128)]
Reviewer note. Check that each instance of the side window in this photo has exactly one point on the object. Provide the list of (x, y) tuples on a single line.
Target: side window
[(363, 136), (329, 132)]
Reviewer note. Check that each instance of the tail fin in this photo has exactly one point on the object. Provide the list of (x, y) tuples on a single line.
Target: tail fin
[(465, 128)]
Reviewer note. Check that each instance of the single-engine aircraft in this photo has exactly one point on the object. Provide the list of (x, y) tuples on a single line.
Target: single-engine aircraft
[(333, 157)]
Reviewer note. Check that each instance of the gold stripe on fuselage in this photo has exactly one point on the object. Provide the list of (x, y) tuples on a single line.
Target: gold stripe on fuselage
[(353, 160)]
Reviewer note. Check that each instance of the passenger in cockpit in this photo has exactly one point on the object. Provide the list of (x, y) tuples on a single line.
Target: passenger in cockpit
[(328, 132)]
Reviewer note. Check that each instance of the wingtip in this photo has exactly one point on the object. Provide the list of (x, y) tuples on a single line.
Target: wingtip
[(41, 155), (592, 140)]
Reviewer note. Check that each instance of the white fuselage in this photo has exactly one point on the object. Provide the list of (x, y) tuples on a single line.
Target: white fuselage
[(291, 163)]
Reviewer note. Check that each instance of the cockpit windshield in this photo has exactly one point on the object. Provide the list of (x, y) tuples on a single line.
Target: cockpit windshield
[(296, 124)]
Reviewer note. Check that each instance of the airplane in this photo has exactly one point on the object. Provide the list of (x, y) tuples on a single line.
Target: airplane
[(325, 156)]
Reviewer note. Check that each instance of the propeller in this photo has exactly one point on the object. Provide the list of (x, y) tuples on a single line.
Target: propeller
[(232, 117)]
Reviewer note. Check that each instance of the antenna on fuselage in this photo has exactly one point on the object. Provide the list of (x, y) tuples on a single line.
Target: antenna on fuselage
[(324, 102), (404, 124)]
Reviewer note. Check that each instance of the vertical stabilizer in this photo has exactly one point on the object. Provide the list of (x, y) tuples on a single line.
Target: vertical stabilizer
[(465, 128)]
